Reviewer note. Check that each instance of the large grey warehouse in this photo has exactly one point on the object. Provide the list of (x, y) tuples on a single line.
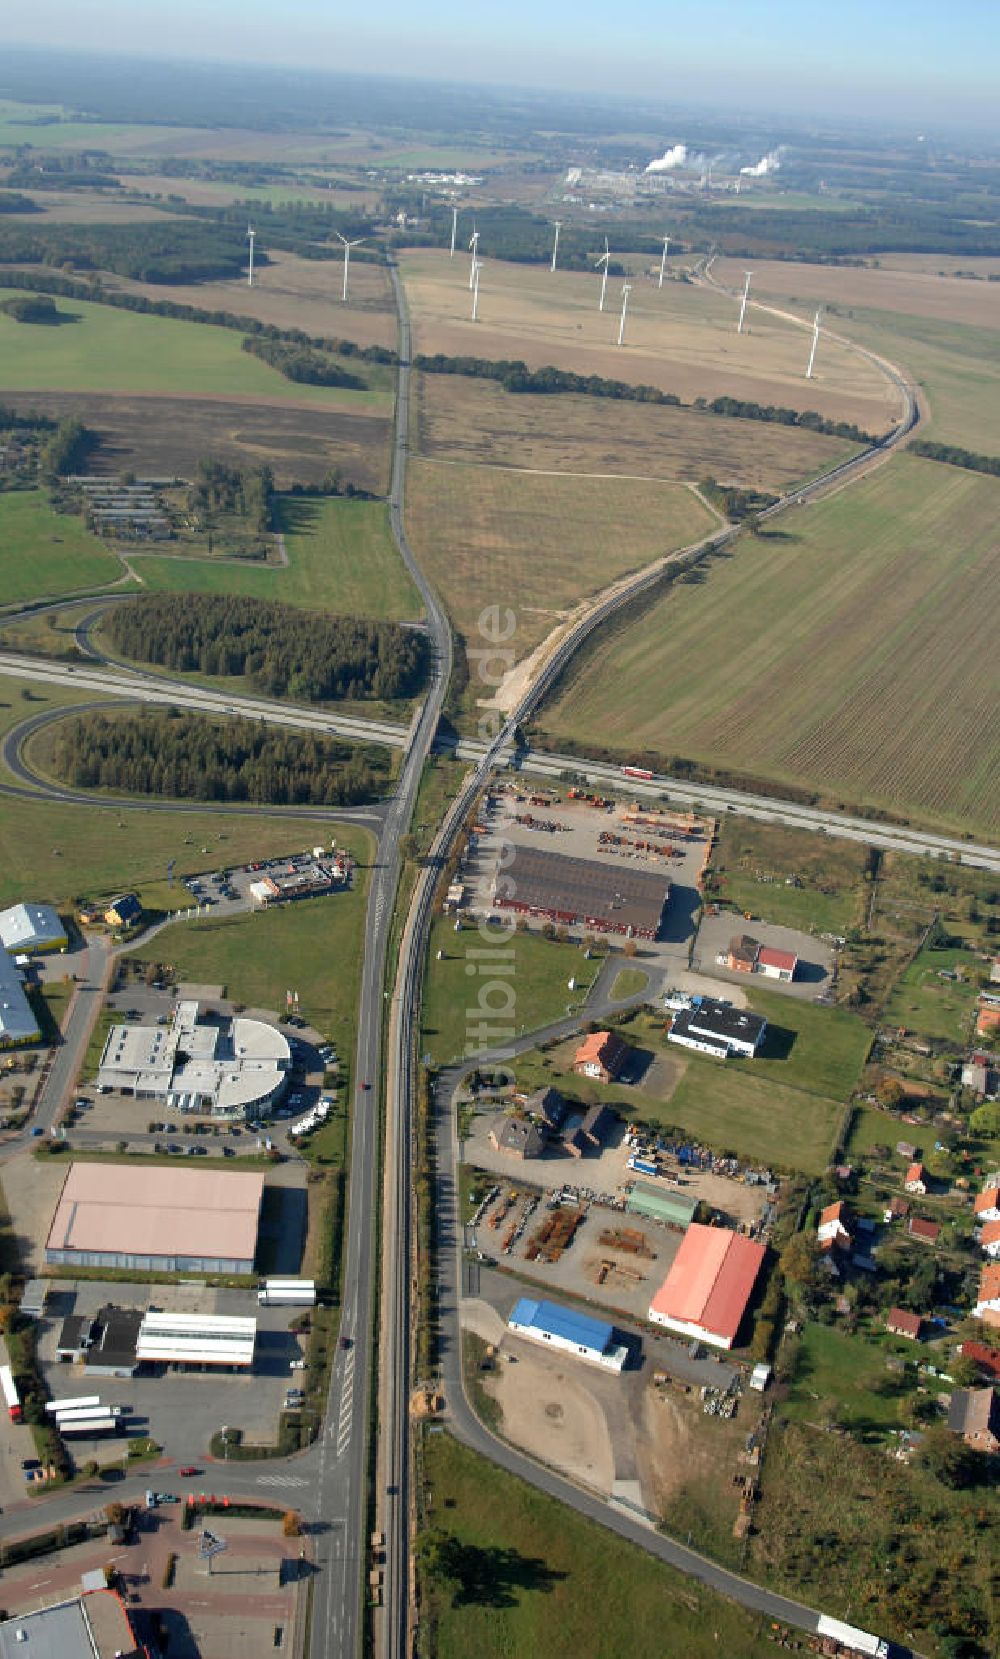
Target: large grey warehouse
[(612, 898)]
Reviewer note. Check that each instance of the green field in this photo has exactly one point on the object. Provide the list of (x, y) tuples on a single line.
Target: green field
[(535, 974), (752, 864), (734, 1111), (850, 651), (102, 349), (540, 1579), (957, 366), (933, 1006), (44, 552), (341, 558), (314, 946), (831, 1367)]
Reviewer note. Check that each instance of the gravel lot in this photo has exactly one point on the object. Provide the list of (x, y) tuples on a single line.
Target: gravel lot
[(814, 974)]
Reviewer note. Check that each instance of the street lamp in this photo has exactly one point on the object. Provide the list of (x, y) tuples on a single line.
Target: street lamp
[(225, 1443)]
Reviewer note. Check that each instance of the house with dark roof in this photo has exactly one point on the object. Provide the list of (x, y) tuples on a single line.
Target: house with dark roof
[(124, 911), (601, 1055), (716, 1028), (974, 1413), (576, 1143), (517, 1136), (598, 1124), (547, 1107), (743, 949), (928, 1232)]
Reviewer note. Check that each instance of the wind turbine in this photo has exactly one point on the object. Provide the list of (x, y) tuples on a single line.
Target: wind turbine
[(476, 268), (626, 291), (557, 223), (812, 349), (603, 260), (347, 254), (454, 228), (474, 245), (251, 233), (743, 302), (663, 260)]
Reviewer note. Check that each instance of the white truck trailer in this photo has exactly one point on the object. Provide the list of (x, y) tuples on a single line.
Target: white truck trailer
[(287, 1293)]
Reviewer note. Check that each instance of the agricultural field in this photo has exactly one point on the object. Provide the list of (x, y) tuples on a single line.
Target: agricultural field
[(291, 292), (341, 558), (97, 348), (458, 418), (536, 973), (901, 290), (873, 613), (44, 552), (89, 207), (682, 339), (539, 1578), (221, 193), (753, 863), (165, 437), (538, 543), (956, 366)]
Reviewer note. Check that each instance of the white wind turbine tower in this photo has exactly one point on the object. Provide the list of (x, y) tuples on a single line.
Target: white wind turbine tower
[(663, 260), (743, 302), (454, 228), (251, 233), (603, 260), (626, 291), (477, 266), (347, 254), (557, 225), (474, 245), (812, 349)]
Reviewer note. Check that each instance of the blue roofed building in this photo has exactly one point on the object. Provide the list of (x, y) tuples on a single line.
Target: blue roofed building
[(569, 1331)]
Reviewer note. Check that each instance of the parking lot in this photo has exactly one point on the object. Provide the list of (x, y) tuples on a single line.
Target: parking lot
[(575, 832), (181, 1410), (813, 975)]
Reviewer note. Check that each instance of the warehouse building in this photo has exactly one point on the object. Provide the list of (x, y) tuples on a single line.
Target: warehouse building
[(662, 1204), (582, 891), (196, 1341), (29, 928), (156, 1220), (223, 1067), (718, 1029), (711, 1280), (569, 1331), (17, 1023), (95, 1625)]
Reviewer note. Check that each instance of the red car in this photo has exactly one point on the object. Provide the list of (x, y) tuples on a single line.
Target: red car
[(189, 1469)]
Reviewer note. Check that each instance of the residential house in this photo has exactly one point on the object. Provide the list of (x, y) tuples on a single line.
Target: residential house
[(125, 911), (601, 1055), (989, 1239), (905, 1150), (900, 1322), (598, 1124), (981, 1075), (915, 1179), (988, 1204), (988, 1359), (517, 1136), (832, 1232), (995, 971), (896, 1210), (576, 1143), (974, 1413), (988, 1306), (928, 1232), (987, 1013), (547, 1107), (743, 951)]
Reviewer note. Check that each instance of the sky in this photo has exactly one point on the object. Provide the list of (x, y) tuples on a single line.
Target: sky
[(918, 60)]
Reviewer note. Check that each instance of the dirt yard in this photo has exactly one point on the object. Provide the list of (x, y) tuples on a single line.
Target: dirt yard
[(550, 1409), (683, 1450)]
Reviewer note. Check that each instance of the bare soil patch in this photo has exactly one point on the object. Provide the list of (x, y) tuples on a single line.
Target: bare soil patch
[(550, 1412), (931, 291), (165, 436)]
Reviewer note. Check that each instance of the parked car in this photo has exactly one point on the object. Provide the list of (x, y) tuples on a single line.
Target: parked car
[(188, 1470)]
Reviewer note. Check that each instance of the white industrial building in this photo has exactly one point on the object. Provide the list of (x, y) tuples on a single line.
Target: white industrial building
[(566, 1329), (26, 928), (223, 1067), (718, 1029), (17, 1023), (199, 1340)]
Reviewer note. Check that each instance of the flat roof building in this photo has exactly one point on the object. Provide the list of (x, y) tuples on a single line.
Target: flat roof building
[(92, 1626), (571, 1332), (31, 927), (582, 891), (709, 1285), (160, 1219), (223, 1068), (718, 1029), (17, 1023), (196, 1340)]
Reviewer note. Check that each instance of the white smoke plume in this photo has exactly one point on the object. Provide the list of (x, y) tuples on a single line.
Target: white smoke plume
[(767, 164), (676, 156)]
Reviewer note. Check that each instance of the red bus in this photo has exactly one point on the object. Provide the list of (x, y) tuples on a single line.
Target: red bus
[(637, 772)]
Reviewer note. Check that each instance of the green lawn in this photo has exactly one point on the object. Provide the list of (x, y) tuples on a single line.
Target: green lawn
[(102, 349), (753, 862), (44, 552), (871, 1128), (341, 558), (628, 983), (821, 1050), (829, 1366), (314, 947), (957, 364), (933, 1006), (733, 1110), (542, 1580), (530, 973)]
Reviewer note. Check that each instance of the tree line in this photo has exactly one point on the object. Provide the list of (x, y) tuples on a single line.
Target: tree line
[(515, 376), (183, 251), (302, 364), (11, 201), (282, 651), (953, 456), (66, 450), (188, 757), (219, 488)]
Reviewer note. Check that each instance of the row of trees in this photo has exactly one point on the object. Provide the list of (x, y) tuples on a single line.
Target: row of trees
[(183, 251), (187, 757), (66, 450), (31, 308), (953, 456), (246, 491), (302, 364), (11, 201), (283, 652)]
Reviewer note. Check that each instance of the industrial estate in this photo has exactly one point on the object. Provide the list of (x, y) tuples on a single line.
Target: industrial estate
[(500, 810)]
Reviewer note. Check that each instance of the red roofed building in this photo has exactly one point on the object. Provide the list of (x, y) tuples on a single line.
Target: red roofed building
[(987, 1014), (988, 1306), (777, 964), (988, 1359), (602, 1054), (706, 1292), (832, 1233), (927, 1231), (988, 1204), (989, 1239), (900, 1322), (916, 1179)]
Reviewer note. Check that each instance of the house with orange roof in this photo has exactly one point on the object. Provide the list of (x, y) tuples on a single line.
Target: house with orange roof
[(988, 1306), (989, 1239), (988, 1204), (916, 1179), (832, 1232), (601, 1055)]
